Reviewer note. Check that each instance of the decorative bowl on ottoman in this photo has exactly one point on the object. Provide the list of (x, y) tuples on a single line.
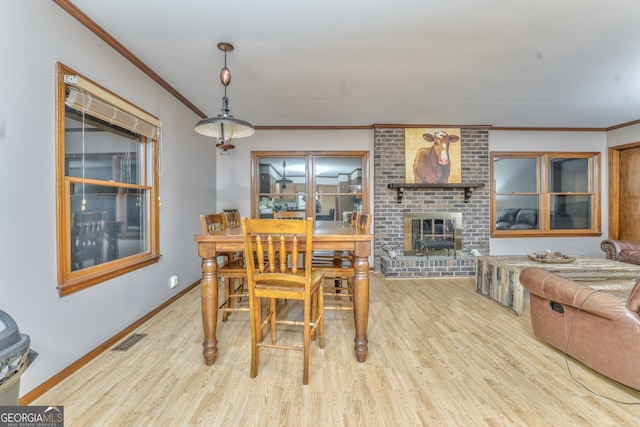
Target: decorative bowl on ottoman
[(551, 258)]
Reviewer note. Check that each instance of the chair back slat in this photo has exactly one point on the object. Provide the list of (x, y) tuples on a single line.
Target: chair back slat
[(260, 253), (271, 254), (294, 254)]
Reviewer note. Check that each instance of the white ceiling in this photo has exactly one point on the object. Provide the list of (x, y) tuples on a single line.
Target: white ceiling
[(544, 63)]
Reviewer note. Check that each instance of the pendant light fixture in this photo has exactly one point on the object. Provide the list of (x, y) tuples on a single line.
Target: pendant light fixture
[(224, 126), (284, 180)]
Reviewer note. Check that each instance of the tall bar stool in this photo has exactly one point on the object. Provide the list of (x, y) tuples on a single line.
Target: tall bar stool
[(271, 242), (339, 270), (231, 265)]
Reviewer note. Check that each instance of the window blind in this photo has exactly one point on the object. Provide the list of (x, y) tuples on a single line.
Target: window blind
[(89, 98)]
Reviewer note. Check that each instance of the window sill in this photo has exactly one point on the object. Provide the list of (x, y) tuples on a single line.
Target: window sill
[(88, 277)]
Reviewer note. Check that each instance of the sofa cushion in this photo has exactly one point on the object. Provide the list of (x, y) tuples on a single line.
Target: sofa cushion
[(527, 219), (504, 225), (507, 215)]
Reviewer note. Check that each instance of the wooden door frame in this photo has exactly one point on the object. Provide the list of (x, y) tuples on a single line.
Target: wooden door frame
[(613, 172)]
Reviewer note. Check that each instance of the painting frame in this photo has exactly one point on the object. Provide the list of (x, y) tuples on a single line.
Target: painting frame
[(423, 164)]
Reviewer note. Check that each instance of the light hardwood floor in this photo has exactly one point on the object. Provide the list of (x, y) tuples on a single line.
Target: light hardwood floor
[(439, 354)]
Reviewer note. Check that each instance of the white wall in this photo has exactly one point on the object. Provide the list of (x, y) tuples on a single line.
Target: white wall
[(625, 135), (234, 174), (34, 35), (552, 141)]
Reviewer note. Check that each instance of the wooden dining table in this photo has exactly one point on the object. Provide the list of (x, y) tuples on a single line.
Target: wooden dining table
[(327, 236)]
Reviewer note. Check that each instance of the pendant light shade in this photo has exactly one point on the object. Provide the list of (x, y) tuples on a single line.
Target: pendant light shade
[(224, 126), (284, 180), (229, 125)]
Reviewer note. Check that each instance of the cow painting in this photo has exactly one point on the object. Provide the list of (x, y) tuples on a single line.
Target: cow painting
[(433, 164)]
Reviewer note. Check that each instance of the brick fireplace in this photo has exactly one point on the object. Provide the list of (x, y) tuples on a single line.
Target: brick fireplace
[(389, 215)]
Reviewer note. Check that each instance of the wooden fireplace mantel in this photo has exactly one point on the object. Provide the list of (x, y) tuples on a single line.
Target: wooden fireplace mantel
[(467, 186)]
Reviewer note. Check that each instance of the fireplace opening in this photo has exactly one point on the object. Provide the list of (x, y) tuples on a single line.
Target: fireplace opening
[(428, 234)]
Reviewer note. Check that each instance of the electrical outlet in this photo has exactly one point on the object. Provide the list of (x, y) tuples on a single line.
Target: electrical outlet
[(173, 282)]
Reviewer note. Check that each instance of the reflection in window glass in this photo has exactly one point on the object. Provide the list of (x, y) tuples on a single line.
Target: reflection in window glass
[(569, 175), (106, 156), (570, 212), (338, 186), (326, 187), (515, 175), (517, 212), (283, 185), (112, 226)]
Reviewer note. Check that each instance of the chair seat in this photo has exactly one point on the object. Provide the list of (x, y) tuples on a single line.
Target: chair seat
[(289, 289)]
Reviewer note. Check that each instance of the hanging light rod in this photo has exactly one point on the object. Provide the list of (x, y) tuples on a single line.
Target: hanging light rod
[(224, 126)]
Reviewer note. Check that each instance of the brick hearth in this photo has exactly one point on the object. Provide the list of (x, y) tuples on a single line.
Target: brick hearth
[(389, 214)]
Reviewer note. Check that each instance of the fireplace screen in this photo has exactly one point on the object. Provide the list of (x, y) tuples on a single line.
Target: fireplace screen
[(428, 234)]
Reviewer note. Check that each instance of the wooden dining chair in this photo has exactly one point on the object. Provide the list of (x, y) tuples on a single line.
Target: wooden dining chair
[(233, 218), (288, 215), (88, 239), (233, 221), (363, 222), (354, 217), (339, 270), (271, 242), (231, 266), (210, 223)]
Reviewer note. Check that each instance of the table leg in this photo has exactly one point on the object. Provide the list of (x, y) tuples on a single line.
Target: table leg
[(209, 299), (361, 306)]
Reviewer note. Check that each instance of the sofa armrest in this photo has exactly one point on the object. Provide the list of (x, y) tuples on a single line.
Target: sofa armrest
[(633, 303), (612, 248), (550, 286)]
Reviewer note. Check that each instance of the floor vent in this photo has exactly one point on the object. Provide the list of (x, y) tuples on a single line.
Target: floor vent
[(129, 342)]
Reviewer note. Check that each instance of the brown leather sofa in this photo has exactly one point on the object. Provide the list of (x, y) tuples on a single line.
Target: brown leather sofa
[(596, 323), (621, 250)]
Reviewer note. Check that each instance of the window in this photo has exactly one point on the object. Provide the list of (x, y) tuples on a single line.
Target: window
[(545, 194), (325, 185), (107, 184)]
